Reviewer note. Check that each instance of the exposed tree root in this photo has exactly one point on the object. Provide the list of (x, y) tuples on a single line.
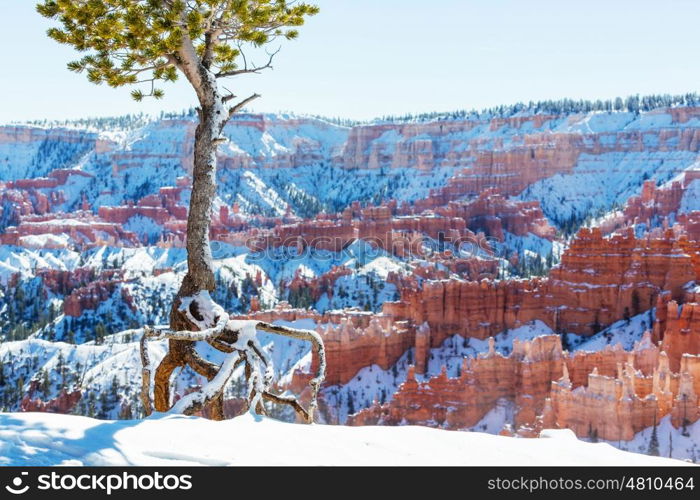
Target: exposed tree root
[(239, 341)]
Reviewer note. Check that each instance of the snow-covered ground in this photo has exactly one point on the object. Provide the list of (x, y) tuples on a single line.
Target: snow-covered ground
[(625, 332), (672, 442), (600, 182), (52, 439)]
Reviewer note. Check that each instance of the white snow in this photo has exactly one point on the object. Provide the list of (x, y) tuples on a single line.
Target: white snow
[(25, 262), (45, 240), (691, 197), (52, 439), (677, 443), (623, 332), (599, 182)]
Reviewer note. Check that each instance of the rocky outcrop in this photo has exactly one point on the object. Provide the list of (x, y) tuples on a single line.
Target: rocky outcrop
[(161, 207), (90, 297), (320, 285), (350, 348), (653, 202), (457, 403), (678, 329), (617, 407), (63, 403), (82, 228), (600, 280), (492, 213), (476, 309), (64, 282), (535, 377)]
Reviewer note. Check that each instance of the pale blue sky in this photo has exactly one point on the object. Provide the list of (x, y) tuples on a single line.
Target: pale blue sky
[(366, 58)]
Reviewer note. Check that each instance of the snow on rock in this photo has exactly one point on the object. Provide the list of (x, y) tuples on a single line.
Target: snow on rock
[(691, 197), (52, 439), (672, 442), (599, 182), (372, 383), (25, 262), (625, 332)]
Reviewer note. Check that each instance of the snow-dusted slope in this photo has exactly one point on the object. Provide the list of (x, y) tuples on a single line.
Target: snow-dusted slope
[(600, 182), (50, 439)]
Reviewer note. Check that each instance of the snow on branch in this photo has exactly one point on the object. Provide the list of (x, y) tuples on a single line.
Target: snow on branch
[(202, 311), (197, 400), (237, 338), (319, 348)]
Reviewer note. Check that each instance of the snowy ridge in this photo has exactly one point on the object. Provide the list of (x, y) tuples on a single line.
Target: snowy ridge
[(49, 439)]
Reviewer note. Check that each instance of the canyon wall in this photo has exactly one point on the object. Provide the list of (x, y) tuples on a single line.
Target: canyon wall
[(599, 280), (535, 378)]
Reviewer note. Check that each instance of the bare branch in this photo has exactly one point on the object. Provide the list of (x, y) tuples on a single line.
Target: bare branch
[(235, 109), (246, 69), (201, 336), (289, 401), (201, 366), (220, 345), (317, 343)]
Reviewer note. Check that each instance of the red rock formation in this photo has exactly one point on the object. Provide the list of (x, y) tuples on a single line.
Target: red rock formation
[(689, 224), (83, 229), (376, 225), (120, 215), (683, 114), (599, 281), (318, 285), (678, 327), (524, 377), (541, 155), (62, 174), (653, 202), (617, 407), (36, 183), (477, 309), (350, 348), (91, 296), (64, 282), (492, 213), (535, 377), (63, 403)]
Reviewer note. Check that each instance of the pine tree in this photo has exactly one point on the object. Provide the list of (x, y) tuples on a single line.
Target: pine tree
[(61, 369), (91, 406), (100, 332), (592, 434), (654, 442), (45, 382), (145, 42), (351, 404)]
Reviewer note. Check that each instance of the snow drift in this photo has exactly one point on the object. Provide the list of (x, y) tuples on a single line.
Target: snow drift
[(54, 439)]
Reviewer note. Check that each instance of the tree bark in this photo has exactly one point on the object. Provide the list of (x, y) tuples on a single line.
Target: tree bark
[(200, 272)]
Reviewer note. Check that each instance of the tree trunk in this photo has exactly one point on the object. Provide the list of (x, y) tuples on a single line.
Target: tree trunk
[(200, 272)]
